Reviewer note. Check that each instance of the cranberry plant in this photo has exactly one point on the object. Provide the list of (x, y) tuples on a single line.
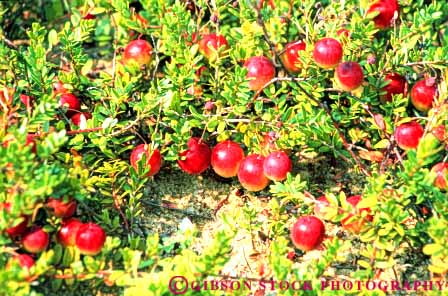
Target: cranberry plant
[(98, 97)]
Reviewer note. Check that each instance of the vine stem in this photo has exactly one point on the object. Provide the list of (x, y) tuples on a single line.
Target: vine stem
[(118, 206), (422, 63), (87, 130)]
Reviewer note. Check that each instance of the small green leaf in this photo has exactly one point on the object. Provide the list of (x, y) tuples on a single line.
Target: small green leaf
[(364, 264), (369, 202), (432, 249)]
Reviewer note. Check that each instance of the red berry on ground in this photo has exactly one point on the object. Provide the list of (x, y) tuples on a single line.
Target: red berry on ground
[(31, 142), (196, 159), (226, 158), (307, 233), (89, 16), (439, 132), (90, 239), (250, 173), (277, 165)]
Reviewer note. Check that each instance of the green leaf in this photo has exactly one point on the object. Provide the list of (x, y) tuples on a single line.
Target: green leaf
[(432, 249), (364, 264), (369, 202), (428, 149), (382, 144), (384, 264), (53, 37), (437, 269)]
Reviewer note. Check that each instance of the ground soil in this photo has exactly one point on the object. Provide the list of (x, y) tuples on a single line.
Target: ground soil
[(174, 196)]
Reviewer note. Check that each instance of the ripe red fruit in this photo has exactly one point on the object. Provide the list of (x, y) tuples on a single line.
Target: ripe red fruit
[(277, 165), (250, 173), (18, 229), (209, 105), (196, 158), (76, 119), (89, 16), (226, 158), (211, 44), (397, 84), (386, 10), (69, 230), (407, 135), (355, 226), (441, 171), (30, 141), (260, 70), (290, 57), (24, 260), (137, 51), (61, 208), (36, 240), (349, 75), (327, 53), (307, 233), (90, 239), (423, 94), (26, 100), (153, 158), (70, 102)]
